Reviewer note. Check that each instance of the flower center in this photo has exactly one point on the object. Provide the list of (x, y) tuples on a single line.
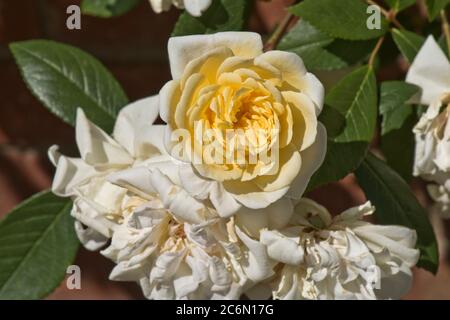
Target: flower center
[(241, 108)]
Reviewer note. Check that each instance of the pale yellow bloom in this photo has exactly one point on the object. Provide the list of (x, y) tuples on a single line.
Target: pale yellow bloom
[(225, 82)]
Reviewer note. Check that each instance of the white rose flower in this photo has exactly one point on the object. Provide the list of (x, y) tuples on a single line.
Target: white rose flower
[(431, 72), (98, 204), (128, 190), (194, 7), (225, 83), (340, 258), (177, 247)]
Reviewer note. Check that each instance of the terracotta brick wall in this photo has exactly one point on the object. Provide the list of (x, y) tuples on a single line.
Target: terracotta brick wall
[(133, 47)]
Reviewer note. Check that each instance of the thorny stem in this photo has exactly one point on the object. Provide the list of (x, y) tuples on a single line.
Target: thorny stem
[(375, 51), (390, 15), (446, 28), (279, 32)]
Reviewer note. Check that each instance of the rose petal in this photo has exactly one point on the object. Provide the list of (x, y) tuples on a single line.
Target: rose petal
[(196, 7), (304, 119), (430, 70), (251, 196), (256, 263), (70, 172), (134, 129), (89, 238), (96, 147), (282, 247), (312, 159), (293, 71), (290, 165), (182, 50)]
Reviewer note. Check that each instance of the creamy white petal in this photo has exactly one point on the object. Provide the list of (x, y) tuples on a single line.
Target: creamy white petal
[(134, 179), (312, 159), (91, 218), (293, 71), (134, 130), (314, 89), (258, 199), (290, 64), (400, 241), (430, 71), (196, 7), (184, 49), (282, 247), (203, 188), (290, 165), (275, 216), (224, 202), (166, 95), (306, 125), (177, 200), (91, 239), (96, 147), (256, 263), (70, 172)]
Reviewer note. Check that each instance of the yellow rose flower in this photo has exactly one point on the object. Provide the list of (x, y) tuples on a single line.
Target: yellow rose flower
[(258, 109)]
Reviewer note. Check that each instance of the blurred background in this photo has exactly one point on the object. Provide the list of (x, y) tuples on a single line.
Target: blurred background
[(133, 47)]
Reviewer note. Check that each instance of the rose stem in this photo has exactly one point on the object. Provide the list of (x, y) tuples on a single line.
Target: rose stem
[(375, 51), (279, 32)]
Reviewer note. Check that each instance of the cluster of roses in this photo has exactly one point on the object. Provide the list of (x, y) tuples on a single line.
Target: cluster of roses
[(186, 230)]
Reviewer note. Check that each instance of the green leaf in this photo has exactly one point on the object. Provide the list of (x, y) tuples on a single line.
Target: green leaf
[(397, 140), (309, 42), (434, 7), (320, 51), (340, 160), (398, 147), (333, 120), (409, 43), (304, 35), (397, 205), (355, 97), (37, 244), (400, 5), (107, 8), (320, 59), (352, 52), (393, 107), (65, 78), (346, 19), (222, 15)]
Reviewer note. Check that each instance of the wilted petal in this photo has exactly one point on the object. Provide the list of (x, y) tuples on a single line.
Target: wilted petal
[(284, 248)]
